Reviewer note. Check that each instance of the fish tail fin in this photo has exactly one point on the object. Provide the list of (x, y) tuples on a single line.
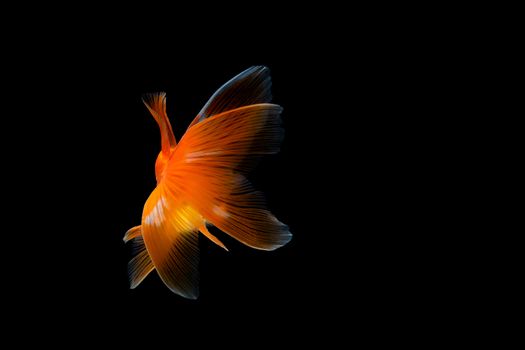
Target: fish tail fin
[(241, 212), (207, 169)]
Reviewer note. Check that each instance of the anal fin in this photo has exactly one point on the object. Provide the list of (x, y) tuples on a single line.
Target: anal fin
[(211, 237)]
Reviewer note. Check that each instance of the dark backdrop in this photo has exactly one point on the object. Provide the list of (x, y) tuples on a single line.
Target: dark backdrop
[(95, 170), (93, 146)]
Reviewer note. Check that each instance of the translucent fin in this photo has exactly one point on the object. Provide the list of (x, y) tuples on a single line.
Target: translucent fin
[(156, 104), (132, 233), (141, 265), (204, 172), (251, 86), (229, 139), (242, 214), (211, 237), (171, 237)]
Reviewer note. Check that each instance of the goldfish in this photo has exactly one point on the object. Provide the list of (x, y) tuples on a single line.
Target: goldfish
[(201, 183)]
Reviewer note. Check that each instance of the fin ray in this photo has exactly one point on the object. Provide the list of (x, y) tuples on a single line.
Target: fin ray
[(206, 170), (156, 104), (133, 232), (249, 87), (204, 230), (141, 265), (171, 238)]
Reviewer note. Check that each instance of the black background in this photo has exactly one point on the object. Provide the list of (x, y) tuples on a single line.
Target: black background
[(94, 170), (362, 179), (237, 279), (90, 167)]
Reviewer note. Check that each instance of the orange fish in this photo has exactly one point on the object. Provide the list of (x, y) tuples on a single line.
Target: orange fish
[(201, 182)]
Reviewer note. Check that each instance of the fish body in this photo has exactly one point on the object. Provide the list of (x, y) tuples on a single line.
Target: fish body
[(201, 181)]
